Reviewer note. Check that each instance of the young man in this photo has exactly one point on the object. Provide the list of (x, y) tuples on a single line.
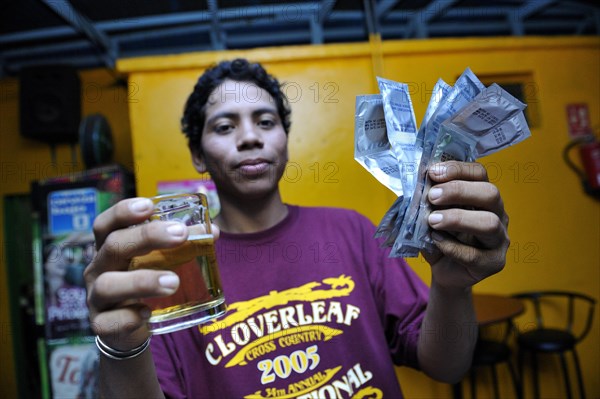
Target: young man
[(317, 309)]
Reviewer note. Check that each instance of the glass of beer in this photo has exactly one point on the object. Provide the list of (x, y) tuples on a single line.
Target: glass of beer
[(199, 297)]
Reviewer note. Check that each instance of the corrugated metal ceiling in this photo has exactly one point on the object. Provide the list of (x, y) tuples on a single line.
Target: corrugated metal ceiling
[(88, 33)]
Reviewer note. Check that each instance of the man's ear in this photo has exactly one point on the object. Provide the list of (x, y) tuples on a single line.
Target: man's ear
[(198, 161)]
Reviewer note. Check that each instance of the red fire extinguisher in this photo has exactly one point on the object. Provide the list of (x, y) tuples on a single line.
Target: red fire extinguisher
[(589, 151)]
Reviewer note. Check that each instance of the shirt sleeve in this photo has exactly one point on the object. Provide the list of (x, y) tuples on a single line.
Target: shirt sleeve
[(401, 298), (168, 366)]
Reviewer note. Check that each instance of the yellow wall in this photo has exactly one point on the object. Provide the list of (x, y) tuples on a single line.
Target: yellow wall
[(23, 161), (554, 227)]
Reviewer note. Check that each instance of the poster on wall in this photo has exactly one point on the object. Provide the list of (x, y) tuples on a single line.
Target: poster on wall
[(64, 259), (66, 207), (72, 210), (73, 370), (578, 119)]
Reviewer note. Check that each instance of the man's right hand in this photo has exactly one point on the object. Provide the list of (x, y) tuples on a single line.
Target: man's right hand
[(113, 293)]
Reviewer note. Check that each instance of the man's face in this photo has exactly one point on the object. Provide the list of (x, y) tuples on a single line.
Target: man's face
[(244, 145)]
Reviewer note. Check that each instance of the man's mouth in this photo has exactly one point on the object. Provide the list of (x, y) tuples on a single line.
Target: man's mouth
[(253, 167)]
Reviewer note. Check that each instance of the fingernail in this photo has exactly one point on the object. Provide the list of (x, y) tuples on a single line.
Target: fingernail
[(170, 281), (438, 170), (176, 230), (141, 205), (435, 193), (435, 218)]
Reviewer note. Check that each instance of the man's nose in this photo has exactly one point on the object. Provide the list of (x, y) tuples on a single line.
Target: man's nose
[(249, 136)]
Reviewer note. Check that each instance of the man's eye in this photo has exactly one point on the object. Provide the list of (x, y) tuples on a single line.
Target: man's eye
[(266, 123), (223, 128)]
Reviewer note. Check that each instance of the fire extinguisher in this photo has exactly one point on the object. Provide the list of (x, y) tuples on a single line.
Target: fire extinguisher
[(589, 151)]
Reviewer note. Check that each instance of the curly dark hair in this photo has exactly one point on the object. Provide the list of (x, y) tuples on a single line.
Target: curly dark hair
[(240, 70)]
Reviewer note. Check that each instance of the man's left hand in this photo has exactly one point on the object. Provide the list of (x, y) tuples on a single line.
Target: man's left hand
[(469, 225)]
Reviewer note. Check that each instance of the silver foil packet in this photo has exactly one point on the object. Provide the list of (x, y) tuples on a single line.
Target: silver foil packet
[(462, 122), (402, 125), (465, 90), (492, 121), (391, 223), (402, 133), (372, 148)]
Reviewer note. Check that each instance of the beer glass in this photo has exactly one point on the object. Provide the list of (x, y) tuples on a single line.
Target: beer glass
[(199, 297)]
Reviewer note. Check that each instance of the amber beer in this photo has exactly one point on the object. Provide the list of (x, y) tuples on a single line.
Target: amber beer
[(199, 297)]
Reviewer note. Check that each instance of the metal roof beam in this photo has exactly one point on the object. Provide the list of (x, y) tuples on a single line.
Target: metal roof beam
[(516, 25), (48, 49), (265, 38), (435, 9), (531, 7), (485, 27), (325, 8), (2, 68), (316, 32), (290, 12), (584, 24), (498, 27), (516, 17), (160, 51), (260, 38), (383, 7), (192, 29), (419, 21), (316, 23), (81, 61), (300, 36), (38, 34), (217, 36), (501, 11), (370, 18), (81, 23), (477, 12), (164, 33)]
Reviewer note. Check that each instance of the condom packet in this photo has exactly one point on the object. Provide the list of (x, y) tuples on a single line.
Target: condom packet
[(466, 88), (438, 94), (401, 127), (390, 224), (440, 90), (451, 145), (372, 148), (401, 131), (493, 121), (510, 132)]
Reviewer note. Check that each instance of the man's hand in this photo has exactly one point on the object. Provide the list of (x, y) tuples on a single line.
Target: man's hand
[(469, 225), (114, 293)]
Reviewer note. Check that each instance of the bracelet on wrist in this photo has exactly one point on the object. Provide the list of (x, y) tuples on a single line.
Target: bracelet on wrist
[(116, 354)]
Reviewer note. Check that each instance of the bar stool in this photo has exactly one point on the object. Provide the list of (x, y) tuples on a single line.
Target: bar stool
[(554, 340), (490, 354)]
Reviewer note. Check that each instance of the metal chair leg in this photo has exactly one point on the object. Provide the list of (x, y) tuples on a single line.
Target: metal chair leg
[(516, 382), (495, 382), (457, 390), (563, 365), (473, 381), (579, 375), (534, 370), (521, 373)]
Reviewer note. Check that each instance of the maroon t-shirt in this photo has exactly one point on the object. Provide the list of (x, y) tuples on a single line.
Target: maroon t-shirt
[(316, 309)]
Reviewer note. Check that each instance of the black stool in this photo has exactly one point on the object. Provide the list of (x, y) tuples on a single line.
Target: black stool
[(552, 340), (489, 354)]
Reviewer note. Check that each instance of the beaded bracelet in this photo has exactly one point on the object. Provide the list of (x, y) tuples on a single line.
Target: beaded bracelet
[(116, 354)]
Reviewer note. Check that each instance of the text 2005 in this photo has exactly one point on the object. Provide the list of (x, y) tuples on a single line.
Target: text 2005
[(282, 366)]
